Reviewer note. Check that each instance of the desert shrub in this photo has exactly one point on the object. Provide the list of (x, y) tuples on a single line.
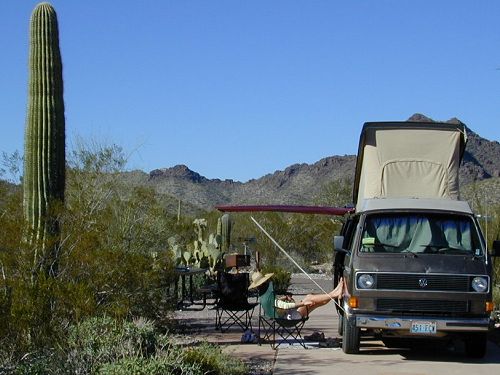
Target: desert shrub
[(113, 257), (106, 346), (35, 308), (481, 196), (307, 238), (150, 366), (281, 278), (337, 193), (496, 296), (103, 345), (26, 302), (42, 362), (201, 360), (115, 236), (304, 237), (213, 361), (113, 265), (101, 340)]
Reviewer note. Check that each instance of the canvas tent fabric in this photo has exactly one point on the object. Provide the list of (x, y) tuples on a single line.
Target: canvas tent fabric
[(408, 160)]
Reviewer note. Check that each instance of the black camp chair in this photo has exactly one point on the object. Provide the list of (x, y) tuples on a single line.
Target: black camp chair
[(232, 307), (273, 325)]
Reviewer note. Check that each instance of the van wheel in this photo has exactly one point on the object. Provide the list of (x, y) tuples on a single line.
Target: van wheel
[(340, 328), (350, 337), (475, 345)]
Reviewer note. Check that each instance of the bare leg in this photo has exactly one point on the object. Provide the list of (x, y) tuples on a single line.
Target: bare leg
[(314, 301)]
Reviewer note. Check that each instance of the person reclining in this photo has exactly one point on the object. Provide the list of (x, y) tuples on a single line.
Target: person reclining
[(285, 306)]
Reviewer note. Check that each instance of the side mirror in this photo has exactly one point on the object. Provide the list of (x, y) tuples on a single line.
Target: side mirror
[(338, 243), (495, 249)]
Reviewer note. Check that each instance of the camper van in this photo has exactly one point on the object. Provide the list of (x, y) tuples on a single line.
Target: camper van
[(413, 257)]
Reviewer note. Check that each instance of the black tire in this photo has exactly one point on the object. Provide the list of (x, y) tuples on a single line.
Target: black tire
[(475, 345), (340, 328), (350, 337)]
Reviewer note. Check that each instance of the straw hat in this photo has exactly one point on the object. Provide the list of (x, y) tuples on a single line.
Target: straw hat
[(259, 279)]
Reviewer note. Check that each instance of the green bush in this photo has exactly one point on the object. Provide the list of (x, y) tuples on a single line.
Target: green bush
[(213, 361), (113, 259), (113, 265), (42, 362), (103, 345), (496, 295), (101, 340), (307, 238), (281, 278), (150, 366), (106, 346), (202, 360)]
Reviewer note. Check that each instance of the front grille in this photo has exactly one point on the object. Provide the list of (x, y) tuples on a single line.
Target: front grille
[(404, 305), (446, 283)]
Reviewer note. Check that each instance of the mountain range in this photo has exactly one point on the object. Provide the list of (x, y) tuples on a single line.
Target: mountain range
[(302, 183)]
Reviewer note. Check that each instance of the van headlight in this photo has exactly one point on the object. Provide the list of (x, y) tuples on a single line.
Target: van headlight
[(480, 284), (366, 281)]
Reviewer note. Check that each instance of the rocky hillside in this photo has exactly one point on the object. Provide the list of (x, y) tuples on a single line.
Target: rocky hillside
[(481, 159), (297, 184), (301, 183)]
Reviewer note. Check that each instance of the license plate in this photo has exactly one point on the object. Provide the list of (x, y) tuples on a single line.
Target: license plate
[(423, 328)]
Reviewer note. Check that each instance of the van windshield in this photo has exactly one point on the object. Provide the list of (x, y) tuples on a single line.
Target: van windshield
[(420, 233)]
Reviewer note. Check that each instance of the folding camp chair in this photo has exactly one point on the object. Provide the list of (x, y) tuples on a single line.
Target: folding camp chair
[(232, 307), (273, 325)]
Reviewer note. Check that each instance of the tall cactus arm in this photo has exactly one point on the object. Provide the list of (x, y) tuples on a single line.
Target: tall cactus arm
[(226, 226)]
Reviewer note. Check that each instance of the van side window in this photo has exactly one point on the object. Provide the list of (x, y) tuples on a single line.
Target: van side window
[(342, 260), (349, 232), (349, 236)]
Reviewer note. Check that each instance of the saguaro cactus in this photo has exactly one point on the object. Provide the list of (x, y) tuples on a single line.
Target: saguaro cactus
[(224, 227), (44, 164)]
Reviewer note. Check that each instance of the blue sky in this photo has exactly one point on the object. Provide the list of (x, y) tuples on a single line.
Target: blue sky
[(238, 89)]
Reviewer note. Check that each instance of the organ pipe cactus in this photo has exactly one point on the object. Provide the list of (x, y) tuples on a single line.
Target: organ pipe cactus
[(44, 165)]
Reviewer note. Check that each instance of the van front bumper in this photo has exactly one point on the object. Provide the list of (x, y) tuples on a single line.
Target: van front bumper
[(405, 323)]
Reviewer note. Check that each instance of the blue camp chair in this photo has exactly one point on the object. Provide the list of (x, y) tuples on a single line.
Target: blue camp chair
[(271, 323)]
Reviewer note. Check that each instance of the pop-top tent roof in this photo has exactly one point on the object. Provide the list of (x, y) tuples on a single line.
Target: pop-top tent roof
[(408, 160)]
